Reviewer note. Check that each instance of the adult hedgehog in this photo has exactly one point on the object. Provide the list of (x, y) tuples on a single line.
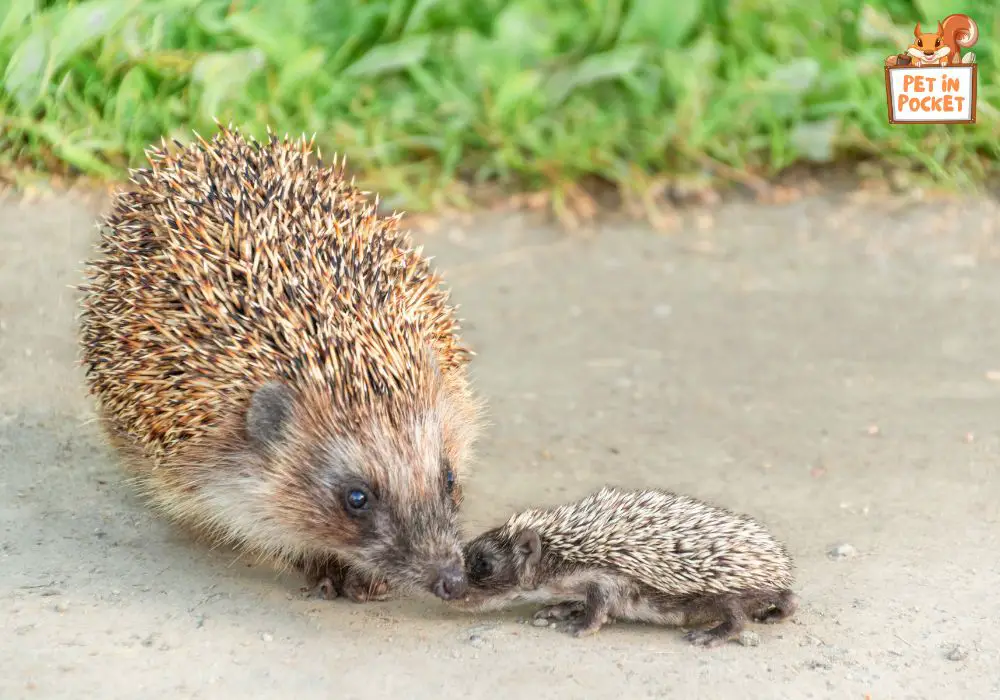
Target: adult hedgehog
[(279, 367)]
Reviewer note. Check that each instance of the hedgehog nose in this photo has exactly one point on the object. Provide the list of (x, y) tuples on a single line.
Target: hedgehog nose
[(450, 584)]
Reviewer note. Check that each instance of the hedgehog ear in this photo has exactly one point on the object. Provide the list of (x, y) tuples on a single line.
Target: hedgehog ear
[(916, 30), (268, 413), (529, 544)]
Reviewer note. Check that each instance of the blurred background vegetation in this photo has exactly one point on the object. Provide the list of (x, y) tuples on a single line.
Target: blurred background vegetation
[(428, 96)]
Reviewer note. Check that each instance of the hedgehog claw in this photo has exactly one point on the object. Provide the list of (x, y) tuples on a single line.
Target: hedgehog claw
[(586, 629), (561, 611), (331, 579), (770, 616), (781, 608), (707, 638), (323, 588), (362, 589)]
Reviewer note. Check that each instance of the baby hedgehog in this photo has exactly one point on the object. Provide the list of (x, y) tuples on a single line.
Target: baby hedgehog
[(649, 556), (280, 368)]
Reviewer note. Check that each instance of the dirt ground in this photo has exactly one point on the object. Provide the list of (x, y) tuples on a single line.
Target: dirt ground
[(830, 366)]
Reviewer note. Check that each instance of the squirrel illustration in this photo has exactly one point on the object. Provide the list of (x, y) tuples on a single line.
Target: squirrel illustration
[(943, 48)]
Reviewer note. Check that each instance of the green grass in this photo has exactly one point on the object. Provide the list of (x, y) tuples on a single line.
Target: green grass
[(531, 94)]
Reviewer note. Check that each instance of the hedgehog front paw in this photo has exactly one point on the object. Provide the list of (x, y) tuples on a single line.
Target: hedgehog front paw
[(323, 588), (710, 638), (323, 579), (561, 611), (362, 588), (329, 579)]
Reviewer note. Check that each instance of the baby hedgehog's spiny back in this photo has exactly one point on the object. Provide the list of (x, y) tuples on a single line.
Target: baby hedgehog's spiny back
[(670, 542), (280, 364)]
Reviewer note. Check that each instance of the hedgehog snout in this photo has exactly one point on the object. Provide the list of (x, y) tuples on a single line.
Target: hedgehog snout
[(450, 583)]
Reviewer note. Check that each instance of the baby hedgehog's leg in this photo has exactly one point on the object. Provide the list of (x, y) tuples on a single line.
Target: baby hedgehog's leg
[(587, 616), (776, 607), (595, 611), (731, 609), (562, 611), (329, 578)]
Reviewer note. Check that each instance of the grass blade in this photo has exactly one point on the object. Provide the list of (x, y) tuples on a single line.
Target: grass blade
[(593, 69), (224, 75), (17, 15), (664, 24), (390, 57)]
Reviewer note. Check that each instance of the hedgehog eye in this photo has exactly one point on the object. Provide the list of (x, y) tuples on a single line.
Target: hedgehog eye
[(481, 567), (937, 43), (449, 475), (357, 500), (920, 43)]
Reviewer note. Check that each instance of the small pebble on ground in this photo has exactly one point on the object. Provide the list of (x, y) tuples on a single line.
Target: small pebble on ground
[(957, 653), (842, 551)]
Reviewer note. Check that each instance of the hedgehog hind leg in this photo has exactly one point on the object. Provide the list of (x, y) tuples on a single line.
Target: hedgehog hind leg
[(329, 578), (774, 607), (731, 610)]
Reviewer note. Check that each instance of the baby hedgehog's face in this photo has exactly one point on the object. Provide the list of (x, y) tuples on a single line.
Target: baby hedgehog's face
[(499, 566)]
